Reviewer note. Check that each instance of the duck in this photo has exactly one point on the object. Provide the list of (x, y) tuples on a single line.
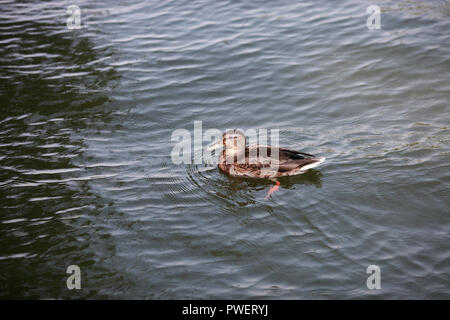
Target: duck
[(260, 161)]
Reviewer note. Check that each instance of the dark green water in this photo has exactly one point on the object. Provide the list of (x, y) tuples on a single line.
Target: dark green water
[(85, 142)]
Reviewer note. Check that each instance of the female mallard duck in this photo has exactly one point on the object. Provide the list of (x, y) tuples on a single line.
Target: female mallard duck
[(258, 161)]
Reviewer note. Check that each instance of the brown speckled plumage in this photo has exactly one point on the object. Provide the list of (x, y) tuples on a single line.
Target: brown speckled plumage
[(263, 162)]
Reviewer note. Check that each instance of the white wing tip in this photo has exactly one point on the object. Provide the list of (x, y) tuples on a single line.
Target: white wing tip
[(313, 165)]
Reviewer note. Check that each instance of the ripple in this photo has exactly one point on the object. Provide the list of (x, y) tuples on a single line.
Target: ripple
[(86, 174)]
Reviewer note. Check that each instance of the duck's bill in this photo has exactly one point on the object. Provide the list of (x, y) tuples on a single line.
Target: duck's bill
[(215, 146)]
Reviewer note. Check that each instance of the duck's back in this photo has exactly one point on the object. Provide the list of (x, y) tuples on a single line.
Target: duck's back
[(268, 162)]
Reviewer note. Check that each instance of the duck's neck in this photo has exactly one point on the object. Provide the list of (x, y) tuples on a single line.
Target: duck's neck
[(233, 155)]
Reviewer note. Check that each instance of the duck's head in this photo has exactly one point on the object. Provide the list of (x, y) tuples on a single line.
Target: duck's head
[(232, 143)]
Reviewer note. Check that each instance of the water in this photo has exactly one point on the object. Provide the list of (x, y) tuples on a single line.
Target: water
[(85, 140)]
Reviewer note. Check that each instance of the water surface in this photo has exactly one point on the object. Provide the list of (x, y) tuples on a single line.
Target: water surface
[(85, 141)]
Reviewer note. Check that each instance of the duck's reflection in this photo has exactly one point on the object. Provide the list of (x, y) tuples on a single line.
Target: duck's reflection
[(245, 191)]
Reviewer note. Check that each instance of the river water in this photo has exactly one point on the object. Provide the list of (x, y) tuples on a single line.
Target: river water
[(87, 177)]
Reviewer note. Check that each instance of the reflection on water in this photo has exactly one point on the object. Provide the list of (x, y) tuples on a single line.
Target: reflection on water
[(234, 187), (53, 84), (86, 174)]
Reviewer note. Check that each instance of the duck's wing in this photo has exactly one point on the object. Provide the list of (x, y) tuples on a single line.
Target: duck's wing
[(291, 160), (270, 162), (292, 154), (284, 159)]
